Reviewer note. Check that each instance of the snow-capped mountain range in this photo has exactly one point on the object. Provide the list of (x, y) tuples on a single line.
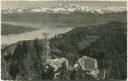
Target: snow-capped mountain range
[(66, 9)]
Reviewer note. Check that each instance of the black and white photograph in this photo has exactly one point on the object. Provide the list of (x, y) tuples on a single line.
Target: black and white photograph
[(63, 40)]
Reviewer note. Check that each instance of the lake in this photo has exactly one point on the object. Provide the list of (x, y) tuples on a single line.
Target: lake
[(13, 38)]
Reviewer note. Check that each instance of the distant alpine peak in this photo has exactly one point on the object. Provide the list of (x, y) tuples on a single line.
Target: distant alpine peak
[(61, 8)]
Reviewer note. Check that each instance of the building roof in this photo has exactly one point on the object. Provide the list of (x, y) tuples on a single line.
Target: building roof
[(55, 63), (87, 63)]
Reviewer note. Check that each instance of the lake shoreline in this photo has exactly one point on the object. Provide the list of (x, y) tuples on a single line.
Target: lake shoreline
[(13, 38)]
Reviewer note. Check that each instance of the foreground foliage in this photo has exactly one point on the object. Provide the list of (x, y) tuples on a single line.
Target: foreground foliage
[(106, 43)]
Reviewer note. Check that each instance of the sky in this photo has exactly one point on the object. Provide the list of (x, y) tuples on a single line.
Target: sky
[(64, 0), (35, 4)]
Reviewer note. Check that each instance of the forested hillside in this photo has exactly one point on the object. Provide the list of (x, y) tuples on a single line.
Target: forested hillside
[(105, 42), (14, 29), (75, 19)]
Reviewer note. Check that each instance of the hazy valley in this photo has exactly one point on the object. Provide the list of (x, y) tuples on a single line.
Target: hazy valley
[(73, 32)]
